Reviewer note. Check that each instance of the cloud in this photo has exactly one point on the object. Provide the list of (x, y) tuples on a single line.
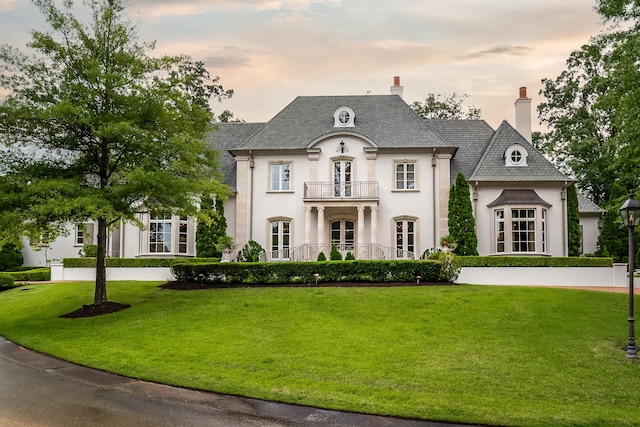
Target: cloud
[(7, 5), (160, 8), (499, 50)]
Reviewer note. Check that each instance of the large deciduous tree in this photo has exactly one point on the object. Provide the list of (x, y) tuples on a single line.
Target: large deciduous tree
[(593, 107), (445, 107), (96, 128)]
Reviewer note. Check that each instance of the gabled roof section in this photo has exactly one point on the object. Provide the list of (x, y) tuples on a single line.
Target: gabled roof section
[(586, 206), (224, 137), (492, 167), (471, 136), (384, 119)]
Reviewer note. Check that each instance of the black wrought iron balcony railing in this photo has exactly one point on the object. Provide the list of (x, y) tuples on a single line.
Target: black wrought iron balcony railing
[(342, 190)]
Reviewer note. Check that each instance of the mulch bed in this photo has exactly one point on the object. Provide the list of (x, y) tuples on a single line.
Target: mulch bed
[(189, 286), (96, 310)]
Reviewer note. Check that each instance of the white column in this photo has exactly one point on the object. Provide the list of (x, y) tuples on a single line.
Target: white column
[(321, 227), (360, 226), (374, 225), (307, 225)]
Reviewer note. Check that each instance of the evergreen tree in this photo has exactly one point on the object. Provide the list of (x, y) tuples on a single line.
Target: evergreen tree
[(212, 228), (10, 257), (614, 237), (573, 221), (462, 225)]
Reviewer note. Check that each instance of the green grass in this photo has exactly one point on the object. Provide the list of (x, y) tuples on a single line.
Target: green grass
[(476, 354)]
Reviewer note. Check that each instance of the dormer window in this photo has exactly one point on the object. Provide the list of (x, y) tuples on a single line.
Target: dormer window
[(516, 155), (344, 117)]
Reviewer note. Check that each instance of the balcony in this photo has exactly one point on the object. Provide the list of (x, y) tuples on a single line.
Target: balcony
[(354, 190)]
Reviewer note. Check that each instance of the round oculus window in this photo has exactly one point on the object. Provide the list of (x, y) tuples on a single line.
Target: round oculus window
[(516, 156), (344, 117)]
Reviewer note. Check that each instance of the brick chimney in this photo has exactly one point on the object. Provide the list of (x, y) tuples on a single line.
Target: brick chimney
[(523, 114), (396, 89)]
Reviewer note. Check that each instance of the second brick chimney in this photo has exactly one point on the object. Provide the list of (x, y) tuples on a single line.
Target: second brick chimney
[(523, 114), (396, 89)]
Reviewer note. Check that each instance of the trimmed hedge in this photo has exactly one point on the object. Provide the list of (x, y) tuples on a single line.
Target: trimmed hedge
[(518, 261), (275, 273), (34, 275), (133, 262), (6, 281)]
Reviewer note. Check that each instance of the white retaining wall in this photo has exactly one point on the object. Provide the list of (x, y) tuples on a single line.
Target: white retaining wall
[(58, 272), (615, 276)]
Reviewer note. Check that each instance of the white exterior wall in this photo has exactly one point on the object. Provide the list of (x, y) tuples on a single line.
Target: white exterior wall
[(556, 220), (590, 233), (62, 247), (417, 203)]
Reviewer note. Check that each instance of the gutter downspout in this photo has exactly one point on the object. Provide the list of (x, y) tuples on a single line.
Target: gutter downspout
[(434, 163), (565, 220), (251, 167)]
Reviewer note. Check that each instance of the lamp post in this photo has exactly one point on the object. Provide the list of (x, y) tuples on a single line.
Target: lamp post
[(630, 213)]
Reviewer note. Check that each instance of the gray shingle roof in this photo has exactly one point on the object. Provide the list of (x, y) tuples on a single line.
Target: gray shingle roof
[(471, 136), (587, 206), (384, 119), (492, 164), (224, 137)]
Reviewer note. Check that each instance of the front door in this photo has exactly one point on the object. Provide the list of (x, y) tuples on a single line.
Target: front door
[(343, 234), (342, 178)]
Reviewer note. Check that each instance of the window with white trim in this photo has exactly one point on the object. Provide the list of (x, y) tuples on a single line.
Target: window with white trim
[(405, 238), (523, 230), (499, 230), (160, 233), (405, 176), (516, 155), (183, 235), (280, 239), (83, 234), (281, 177)]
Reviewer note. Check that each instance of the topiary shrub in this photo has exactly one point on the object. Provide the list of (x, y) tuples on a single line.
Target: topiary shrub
[(6, 281), (335, 254), (10, 257), (349, 256), (321, 256), (250, 252)]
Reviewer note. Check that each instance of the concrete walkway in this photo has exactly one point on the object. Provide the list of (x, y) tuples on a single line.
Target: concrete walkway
[(40, 390)]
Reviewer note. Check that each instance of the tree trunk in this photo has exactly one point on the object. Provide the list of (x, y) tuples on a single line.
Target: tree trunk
[(100, 296)]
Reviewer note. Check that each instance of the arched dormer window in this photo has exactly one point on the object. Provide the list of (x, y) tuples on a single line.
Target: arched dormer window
[(344, 117), (516, 155)]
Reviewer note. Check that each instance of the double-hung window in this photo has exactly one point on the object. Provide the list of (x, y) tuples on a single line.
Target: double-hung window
[(281, 177), (405, 176)]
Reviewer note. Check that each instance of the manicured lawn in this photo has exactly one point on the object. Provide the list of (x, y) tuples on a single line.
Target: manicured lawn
[(476, 354)]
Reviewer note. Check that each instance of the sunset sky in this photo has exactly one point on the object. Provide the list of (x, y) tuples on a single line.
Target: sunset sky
[(270, 51)]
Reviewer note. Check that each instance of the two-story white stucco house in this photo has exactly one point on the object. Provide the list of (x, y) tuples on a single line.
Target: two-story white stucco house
[(369, 175)]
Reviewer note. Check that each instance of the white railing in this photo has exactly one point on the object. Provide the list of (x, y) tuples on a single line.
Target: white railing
[(311, 252), (341, 190)]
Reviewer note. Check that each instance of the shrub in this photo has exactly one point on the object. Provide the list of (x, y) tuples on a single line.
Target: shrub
[(88, 251), (349, 256), (10, 257), (450, 265), (321, 256), (335, 254), (250, 252), (6, 281)]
